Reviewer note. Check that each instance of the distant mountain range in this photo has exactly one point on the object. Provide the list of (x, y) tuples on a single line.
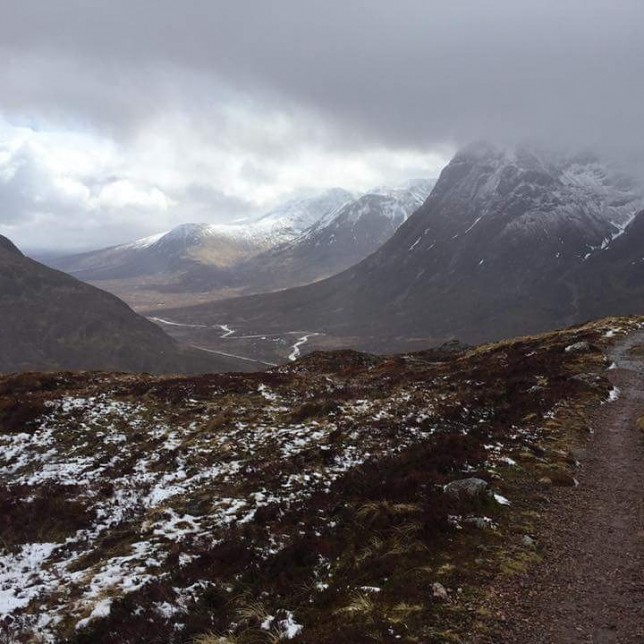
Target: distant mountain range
[(337, 241), (509, 242), (51, 321), (300, 242), (190, 245)]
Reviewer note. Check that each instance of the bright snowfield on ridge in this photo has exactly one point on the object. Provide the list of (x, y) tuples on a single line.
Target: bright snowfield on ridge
[(270, 229), (302, 241)]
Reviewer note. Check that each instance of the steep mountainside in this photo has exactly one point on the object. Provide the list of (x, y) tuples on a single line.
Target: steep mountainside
[(335, 242), (344, 498), (612, 277), (51, 321), (191, 246), (508, 242)]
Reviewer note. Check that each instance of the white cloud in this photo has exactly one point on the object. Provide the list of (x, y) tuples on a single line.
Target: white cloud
[(76, 188), (207, 111), (125, 194)]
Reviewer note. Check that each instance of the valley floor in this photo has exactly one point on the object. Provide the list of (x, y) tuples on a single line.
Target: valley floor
[(590, 586)]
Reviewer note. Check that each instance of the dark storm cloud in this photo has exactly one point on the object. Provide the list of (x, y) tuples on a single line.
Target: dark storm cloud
[(409, 72), (122, 118)]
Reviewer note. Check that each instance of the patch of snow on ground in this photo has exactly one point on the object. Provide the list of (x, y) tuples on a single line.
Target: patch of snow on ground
[(289, 626), (20, 575)]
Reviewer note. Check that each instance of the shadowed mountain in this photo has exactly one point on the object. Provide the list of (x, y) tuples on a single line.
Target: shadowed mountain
[(508, 242), (51, 321)]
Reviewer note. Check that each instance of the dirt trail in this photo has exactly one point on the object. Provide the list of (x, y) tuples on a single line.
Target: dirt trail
[(590, 586)]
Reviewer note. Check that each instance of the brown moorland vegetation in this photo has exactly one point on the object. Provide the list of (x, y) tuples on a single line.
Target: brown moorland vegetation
[(305, 503)]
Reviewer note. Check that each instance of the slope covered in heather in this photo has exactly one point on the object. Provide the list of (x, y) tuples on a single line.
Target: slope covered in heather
[(319, 502)]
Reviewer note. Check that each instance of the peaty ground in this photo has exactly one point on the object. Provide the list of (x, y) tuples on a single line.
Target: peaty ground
[(590, 586)]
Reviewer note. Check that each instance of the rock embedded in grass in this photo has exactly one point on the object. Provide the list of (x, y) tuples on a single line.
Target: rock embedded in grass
[(528, 542), (470, 488), (439, 592), (578, 347)]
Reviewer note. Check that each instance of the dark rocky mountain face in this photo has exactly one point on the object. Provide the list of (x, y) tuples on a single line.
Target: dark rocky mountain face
[(7, 247), (612, 278), (508, 242), (52, 321)]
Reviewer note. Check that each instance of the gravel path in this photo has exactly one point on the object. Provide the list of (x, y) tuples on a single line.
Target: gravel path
[(590, 586)]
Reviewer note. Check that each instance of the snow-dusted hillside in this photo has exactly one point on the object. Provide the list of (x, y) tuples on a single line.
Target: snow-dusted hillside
[(302, 241), (340, 239), (217, 245), (527, 192), (305, 503), (509, 241), (292, 218), (393, 204)]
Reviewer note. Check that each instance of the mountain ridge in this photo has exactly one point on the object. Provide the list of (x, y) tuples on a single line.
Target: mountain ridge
[(301, 241), (502, 247), (190, 244)]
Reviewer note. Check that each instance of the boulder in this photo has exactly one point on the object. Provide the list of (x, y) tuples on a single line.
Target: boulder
[(439, 592), (478, 522), (471, 488), (528, 542), (578, 347)]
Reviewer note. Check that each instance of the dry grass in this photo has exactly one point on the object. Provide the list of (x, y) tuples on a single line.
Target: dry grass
[(383, 522)]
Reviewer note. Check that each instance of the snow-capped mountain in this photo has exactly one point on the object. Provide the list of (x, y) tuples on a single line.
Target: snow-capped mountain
[(295, 216), (504, 245), (302, 241), (219, 246), (337, 241)]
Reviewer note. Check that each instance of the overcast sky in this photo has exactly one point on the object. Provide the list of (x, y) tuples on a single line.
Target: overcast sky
[(124, 118)]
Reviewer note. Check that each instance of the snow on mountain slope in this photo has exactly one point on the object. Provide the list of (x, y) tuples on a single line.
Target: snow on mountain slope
[(497, 249), (280, 225), (295, 216), (527, 192), (141, 509), (216, 245), (337, 241), (394, 204)]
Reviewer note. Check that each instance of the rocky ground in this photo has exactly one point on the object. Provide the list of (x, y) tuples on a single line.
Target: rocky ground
[(590, 588), (343, 497)]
